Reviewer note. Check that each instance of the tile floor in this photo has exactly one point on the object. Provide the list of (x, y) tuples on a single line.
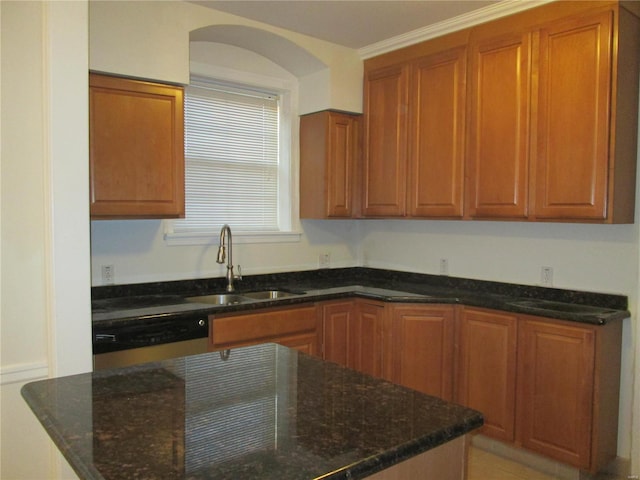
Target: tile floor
[(484, 465)]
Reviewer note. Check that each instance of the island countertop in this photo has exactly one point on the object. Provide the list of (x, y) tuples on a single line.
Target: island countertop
[(264, 412)]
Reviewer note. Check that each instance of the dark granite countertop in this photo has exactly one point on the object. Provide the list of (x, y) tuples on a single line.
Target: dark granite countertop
[(263, 412), (145, 302)]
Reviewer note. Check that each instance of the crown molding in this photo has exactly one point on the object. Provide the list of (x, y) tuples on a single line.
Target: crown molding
[(482, 15)]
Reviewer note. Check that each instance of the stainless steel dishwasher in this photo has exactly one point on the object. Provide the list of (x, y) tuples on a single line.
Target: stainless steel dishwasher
[(149, 340)]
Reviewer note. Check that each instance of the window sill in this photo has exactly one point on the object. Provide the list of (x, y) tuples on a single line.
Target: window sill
[(207, 238)]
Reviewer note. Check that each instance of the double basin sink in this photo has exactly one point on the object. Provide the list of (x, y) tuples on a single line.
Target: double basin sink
[(245, 297)]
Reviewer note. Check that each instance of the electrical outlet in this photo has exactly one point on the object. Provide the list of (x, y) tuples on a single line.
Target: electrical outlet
[(444, 266), (108, 274), (546, 276), (324, 260)]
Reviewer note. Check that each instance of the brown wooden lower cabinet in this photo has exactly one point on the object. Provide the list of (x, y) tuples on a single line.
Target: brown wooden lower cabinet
[(548, 385), (352, 334), (486, 376), (367, 354), (422, 346), (568, 390), (409, 344), (338, 318), (295, 327)]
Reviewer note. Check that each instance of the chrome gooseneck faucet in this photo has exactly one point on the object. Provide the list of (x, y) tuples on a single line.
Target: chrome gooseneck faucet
[(226, 244)]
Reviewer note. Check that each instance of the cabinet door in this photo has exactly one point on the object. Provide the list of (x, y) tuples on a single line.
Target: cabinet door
[(386, 93), (498, 150), (328, 155), (338, 325), (555, 389), (486, 376), (136, 154), (436, 145), (572, 156), (366, 353), (422, 348), (341, 163)]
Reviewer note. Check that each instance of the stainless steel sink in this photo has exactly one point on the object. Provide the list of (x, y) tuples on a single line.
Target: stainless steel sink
[(219, 299), (270, 294)]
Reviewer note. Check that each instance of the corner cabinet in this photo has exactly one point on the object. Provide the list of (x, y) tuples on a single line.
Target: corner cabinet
[(136, 148), (409, 344), (329, 151), (353, 334)]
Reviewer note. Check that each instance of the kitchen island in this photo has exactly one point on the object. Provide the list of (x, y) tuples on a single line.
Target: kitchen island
[(261, 412)]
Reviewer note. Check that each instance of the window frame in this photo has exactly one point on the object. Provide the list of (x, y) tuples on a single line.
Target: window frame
[(288, 197)]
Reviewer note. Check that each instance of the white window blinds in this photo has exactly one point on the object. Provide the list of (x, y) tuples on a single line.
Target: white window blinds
[(231, 160)]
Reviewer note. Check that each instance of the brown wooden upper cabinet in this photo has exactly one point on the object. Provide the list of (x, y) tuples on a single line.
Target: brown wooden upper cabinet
[(329, 152), (436, 135), (386, 96), (576, 162), (499, 110), (537, 112), (414, 131), (136, 141)]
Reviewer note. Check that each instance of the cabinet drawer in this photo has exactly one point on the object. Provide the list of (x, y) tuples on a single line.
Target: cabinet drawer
[(262, 327)]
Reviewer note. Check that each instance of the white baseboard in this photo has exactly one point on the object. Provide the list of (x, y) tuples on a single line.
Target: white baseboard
[(24, 372)]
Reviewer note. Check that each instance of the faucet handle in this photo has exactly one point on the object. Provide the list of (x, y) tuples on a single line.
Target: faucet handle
[(238, 276)]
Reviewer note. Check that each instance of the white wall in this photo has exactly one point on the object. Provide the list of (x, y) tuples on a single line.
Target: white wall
[(45, 297)]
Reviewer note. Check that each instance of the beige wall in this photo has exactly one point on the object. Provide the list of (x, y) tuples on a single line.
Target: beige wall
[(44, 226), (151, 40)]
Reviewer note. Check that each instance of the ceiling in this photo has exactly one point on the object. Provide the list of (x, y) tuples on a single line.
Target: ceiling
[(354, 24)]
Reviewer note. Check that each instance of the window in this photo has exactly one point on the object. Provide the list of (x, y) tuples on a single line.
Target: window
[(235, 169)]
